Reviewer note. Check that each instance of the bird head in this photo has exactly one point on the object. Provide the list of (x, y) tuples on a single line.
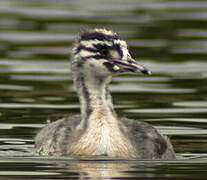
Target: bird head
[(105, 53)]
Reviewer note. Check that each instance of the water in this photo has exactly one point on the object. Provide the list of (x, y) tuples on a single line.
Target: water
[(168, 37)]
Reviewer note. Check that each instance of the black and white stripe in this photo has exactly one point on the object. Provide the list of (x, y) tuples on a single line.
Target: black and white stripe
[(92, 43), (98, 35)]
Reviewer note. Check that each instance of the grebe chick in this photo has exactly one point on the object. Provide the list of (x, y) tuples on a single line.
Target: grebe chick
[(97, 55)]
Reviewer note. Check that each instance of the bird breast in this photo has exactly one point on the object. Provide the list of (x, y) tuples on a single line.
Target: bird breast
[(103, 137)]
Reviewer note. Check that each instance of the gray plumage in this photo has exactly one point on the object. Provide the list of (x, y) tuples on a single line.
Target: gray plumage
[(55, 139), (97, 55)]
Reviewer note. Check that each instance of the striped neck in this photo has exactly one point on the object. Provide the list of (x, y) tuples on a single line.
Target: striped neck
[(93, 94)]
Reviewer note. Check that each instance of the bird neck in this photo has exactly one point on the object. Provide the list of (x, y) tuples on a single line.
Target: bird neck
[(93, 95)]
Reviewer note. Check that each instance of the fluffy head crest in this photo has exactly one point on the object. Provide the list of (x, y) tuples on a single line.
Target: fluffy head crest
[(102, 51)]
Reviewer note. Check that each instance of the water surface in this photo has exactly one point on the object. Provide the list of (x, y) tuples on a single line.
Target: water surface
[(168, 37)]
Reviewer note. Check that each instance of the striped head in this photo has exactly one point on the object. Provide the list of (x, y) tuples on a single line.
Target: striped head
[(102, 51)]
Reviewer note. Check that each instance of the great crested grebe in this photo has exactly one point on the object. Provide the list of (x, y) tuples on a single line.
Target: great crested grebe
[(97, 55)]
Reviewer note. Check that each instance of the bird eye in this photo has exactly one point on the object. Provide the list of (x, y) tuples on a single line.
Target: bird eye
[(104, 51)]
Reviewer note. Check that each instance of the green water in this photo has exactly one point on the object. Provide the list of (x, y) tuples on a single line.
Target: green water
[(168, 37)]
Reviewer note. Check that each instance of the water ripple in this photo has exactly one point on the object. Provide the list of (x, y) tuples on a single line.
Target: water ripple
[(15, 87), (32, 37), (146, 87), (191, 103), (169, 110)]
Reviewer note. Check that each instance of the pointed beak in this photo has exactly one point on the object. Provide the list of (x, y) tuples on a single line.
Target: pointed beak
[(128, 66)]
